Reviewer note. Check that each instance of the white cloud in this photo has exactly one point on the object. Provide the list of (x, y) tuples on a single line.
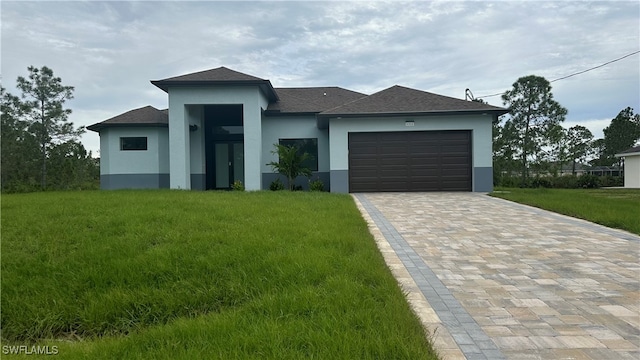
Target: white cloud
[(110, 50)]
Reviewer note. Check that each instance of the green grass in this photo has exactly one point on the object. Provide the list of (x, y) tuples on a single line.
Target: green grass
[(188, 275), (617, 208)]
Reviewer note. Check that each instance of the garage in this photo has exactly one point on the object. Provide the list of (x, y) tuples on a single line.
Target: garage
[(410, 161)]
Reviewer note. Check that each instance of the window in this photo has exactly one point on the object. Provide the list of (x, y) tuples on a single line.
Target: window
[(309, 146), (133, 143)]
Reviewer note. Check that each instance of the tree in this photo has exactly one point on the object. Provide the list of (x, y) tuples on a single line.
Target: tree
[(622, 133), (290, 163), (19, 148), (533, 115), (43, 97), (578, 140)]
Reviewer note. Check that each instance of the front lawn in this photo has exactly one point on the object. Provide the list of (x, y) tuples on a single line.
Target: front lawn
[(617, 208), (199, 275)]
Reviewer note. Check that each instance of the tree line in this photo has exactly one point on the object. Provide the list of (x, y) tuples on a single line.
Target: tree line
[(40, 147), (530, 140)]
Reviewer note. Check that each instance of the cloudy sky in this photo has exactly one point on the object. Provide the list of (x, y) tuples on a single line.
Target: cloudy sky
[(109, 51)]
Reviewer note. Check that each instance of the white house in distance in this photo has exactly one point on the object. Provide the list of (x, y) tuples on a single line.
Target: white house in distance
[(221, 126), (631, 167)]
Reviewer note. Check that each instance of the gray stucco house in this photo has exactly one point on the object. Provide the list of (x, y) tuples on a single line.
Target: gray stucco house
[(221, 126)]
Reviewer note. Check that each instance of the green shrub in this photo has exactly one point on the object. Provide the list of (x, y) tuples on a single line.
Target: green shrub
[(276, 185), (316, 185), (237, 186), (540, 182), (587, 181), (608, 181), (565, 182)]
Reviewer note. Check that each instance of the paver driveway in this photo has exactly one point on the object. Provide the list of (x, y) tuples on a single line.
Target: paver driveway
[(498, 280)]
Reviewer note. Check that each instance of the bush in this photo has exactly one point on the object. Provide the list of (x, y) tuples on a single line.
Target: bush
[(540, 182), (608, 181), (237, 186), (565, 182), (276, 185), (587, 181), (316, 185)]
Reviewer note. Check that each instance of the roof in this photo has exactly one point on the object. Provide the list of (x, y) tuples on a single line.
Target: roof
[(144, 116), (217, 76), (400, 100), (630, 152), (311, 99)]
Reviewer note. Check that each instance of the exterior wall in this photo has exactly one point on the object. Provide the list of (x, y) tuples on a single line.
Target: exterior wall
[(632, 171), (135, 168), (197, 166), (293, 127), (181, 113), (480, 126)]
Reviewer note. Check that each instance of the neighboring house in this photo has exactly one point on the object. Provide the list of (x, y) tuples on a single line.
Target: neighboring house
[(631, 167), (222, 125)]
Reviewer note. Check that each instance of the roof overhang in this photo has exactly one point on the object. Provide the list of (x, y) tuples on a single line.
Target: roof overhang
[(635, 153), (264, 85), (99, 126)]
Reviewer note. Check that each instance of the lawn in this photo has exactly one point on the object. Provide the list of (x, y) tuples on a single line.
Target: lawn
[(189, 275), (616, 208)]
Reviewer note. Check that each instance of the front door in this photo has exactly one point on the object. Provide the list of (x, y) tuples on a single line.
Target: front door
[(229, 165)]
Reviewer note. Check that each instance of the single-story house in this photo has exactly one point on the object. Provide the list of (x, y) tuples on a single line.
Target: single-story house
[(221, 126), (631, 167)]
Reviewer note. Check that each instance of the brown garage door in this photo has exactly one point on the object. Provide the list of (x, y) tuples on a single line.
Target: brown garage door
[(410, 161)]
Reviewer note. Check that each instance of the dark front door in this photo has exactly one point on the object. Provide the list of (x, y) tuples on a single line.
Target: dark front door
[(228, 165)]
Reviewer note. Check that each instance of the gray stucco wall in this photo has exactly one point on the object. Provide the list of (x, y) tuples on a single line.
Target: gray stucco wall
[(482, 179), (134, 181)]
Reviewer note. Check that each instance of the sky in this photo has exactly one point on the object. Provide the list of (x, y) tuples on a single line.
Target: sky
[(109, 51)]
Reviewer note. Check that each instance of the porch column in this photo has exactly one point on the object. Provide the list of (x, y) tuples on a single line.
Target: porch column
[(179, 147)]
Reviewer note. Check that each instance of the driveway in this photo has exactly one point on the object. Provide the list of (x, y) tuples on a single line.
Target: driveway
[(492, 279)]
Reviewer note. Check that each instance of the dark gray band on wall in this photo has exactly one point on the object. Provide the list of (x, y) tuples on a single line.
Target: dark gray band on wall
[(268, 178), (482, 179), (198, 182), (134, 181), (340, 181)]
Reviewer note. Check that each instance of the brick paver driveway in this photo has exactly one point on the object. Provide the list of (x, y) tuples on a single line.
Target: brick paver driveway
[(498, 280)]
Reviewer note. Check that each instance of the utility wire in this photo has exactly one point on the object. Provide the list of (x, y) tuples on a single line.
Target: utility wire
[(574, 74)]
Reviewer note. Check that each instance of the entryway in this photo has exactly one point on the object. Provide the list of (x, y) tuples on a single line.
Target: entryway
[(224, 145)]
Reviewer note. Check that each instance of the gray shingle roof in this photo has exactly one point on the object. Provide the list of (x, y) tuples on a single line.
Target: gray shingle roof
[(399, 99), (311, 100), (217, 76), (144, 116), (633, 150)]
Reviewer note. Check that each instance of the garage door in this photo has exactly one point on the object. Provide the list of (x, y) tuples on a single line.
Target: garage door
[(410, 161)]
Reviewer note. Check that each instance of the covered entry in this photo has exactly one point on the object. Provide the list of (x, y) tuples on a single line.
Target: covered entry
[(410, 161), (224, 145)]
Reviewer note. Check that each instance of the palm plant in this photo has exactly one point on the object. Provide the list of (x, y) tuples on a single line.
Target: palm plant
[(290, 163)]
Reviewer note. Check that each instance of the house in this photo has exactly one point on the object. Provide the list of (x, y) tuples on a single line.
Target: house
[(631, 167), (221, 126)]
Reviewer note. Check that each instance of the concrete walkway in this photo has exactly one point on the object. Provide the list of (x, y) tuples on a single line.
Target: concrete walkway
[(491, 279)]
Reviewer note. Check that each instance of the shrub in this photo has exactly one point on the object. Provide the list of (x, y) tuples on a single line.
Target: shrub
[(290, 163), (276, 185), (588, 181), (316, 185), (540, 182), (237, 186), (565, 182), (608, 181)]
